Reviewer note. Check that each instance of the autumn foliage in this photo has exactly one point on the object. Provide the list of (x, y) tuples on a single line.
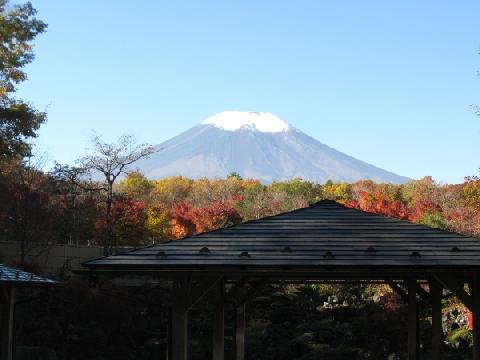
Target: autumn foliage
[(368, 202), (422, 209), (189, 220), (182, 221), (147, 211), (129, 219)]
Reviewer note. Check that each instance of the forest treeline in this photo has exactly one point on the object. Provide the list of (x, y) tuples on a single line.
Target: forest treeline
[(286, 322), (176, 207), (62, 206)]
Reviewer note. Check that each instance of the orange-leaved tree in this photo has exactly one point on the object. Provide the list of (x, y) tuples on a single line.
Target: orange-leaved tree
[(182, 220), (189, 220)]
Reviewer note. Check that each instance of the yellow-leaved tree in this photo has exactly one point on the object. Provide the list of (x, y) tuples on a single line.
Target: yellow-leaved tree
[(471, 192), (158, 223)]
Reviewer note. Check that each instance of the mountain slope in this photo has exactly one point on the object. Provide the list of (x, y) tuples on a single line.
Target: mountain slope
[(256, 145)]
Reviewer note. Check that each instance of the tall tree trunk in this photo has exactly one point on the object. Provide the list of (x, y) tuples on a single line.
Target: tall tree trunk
[(108, 214)]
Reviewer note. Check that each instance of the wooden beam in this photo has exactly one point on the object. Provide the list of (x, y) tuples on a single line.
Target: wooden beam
[(168, 355), (219, 321), (398, 290), (239, 341), (7, 324), (236, 289), (436, 291), (412, 320), (327, 274), (180, 319), (456, 286), (476, 316), (200, 290)]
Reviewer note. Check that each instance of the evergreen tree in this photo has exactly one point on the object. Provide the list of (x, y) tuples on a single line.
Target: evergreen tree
[(19, 121)]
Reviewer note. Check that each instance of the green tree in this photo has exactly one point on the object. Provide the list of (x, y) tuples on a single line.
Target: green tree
[(234, 175), (296, 193), (19, 121), (136, 185)]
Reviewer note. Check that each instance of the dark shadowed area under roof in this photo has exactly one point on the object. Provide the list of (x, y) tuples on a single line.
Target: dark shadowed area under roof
[(325, 237)]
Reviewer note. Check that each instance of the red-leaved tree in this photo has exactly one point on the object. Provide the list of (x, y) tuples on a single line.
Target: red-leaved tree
[(188, 220), (128, 221), (423, 208)]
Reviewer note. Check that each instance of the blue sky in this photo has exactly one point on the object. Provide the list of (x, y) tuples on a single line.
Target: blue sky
[(388, 82)]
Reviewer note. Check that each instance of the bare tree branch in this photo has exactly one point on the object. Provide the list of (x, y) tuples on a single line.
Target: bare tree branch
[(111, 160)]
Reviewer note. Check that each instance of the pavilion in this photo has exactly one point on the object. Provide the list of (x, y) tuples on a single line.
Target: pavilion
[(11, 280), (323, 242)]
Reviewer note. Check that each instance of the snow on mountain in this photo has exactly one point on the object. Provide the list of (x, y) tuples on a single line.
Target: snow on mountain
[(236, 120), (256, 145)]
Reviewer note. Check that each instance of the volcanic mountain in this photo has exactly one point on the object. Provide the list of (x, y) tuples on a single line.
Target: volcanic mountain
[(256, 145)]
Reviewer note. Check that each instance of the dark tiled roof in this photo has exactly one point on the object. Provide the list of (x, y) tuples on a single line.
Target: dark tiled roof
[(326, 234), (12, 276)]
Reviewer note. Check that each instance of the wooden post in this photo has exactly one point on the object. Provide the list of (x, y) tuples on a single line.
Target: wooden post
[(476, 316), (219, 321), (436, 291), (240, 331), (412, 320), (179, 319), (168, 355), (7, 324)]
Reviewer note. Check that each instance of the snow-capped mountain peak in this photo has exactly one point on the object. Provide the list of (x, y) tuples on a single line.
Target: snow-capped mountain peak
[(236, 120), (256, 145)]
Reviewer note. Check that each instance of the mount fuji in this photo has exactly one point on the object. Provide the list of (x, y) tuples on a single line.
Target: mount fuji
[(256, 145)]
